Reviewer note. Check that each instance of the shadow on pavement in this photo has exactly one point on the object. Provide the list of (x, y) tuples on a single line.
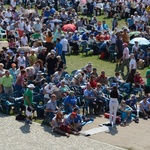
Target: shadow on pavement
[(112, 130), (25, 128)]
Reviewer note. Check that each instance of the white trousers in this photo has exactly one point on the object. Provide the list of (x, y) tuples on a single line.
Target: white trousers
[(113, 106), (28, 113)]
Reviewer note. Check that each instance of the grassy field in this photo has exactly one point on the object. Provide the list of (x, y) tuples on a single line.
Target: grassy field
[(76, 62)]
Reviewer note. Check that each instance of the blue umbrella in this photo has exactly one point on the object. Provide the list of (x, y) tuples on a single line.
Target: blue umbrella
[(140, 40), (56, 21)]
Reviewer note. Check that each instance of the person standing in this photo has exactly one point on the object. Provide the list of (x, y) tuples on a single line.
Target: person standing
[(125, 58), (147, 86), (28, 102), (119, 47), (65, 46), (132, 69), (113, 105), (6, 82), (114, 22)]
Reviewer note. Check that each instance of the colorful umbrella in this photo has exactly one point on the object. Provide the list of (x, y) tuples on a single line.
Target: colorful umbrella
[(135, 33), (140, 40), (70, 27)]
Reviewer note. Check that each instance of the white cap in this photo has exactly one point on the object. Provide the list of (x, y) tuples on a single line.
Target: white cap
[(31, 86)]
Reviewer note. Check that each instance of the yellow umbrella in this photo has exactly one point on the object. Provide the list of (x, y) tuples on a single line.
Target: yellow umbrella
[(148, 8)]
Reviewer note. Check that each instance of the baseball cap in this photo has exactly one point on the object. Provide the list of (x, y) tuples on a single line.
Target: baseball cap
[(74, 114)]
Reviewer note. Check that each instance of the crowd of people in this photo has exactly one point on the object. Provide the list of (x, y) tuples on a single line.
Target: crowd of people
[(37, 46)]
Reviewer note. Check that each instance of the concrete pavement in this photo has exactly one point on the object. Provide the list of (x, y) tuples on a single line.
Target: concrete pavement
[(16, 135)]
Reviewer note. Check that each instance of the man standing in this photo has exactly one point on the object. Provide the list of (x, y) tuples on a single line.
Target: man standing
[(65, 46), (125, 58), (6, 82), (28, 101), (147, 87)]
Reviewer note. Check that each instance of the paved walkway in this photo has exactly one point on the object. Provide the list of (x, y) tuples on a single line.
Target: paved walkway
[(16, 135)]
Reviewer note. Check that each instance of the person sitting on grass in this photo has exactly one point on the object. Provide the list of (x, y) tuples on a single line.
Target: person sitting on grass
[(70, 126), (126, 112), (144, 108), (57, 121)]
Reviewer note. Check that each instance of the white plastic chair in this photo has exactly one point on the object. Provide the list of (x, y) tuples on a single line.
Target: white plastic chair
[(2, 33)]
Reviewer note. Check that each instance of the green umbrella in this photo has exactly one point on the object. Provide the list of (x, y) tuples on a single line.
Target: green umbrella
[(135, 33)]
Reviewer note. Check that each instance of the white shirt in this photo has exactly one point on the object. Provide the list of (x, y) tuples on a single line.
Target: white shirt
[(8, 14), (132, 64), (64, 42), (21, 61), (21, 25), (13, 3), (48, 90), (28, 28), (126, 53), (24, 40), (37, 27), (135, 48)]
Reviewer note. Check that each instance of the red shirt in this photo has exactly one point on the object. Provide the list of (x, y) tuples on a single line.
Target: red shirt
[(93, 83)]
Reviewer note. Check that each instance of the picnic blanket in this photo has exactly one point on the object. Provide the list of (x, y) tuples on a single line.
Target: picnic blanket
[(95, 130)]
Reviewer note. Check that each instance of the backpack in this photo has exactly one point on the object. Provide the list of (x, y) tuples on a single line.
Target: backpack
[(20, 117)]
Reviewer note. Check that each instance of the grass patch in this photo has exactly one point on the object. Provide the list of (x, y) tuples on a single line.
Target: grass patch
[(75, 62)]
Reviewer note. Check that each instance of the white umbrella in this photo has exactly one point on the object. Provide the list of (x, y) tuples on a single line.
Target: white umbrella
[(24, 49), (3, 44), (140, 40)]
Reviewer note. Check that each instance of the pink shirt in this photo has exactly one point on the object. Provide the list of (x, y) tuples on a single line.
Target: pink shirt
[(126, 53)]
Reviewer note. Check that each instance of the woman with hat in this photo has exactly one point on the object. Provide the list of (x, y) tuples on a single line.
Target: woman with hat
[(64, 88), (28, 102)]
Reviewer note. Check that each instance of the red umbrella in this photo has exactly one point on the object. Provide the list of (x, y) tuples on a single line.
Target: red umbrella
[(70, 27)]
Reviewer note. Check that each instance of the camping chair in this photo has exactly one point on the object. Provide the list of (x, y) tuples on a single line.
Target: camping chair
[(111, 80), (73, 72), (77, 90), (16, 98), (2, 33), (113, 54), (85, 48)]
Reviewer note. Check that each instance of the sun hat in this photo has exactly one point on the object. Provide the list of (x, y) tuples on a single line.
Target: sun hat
[(50, 85), (31, 86), (40, 73), (71, 92)]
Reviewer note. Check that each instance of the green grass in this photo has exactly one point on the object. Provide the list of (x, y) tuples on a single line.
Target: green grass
[(75, 62)]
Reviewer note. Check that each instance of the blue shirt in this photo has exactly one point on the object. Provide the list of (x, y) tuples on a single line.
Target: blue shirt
[(70, 100), (78, 118), (85, 37), (68, 120), (52, 11), (59, 48), (130, 22), (46, 14), (75, 37), (105, 26)]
